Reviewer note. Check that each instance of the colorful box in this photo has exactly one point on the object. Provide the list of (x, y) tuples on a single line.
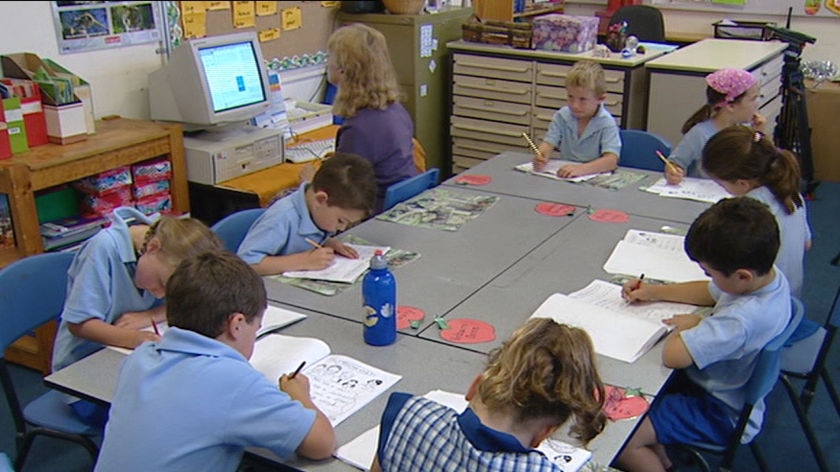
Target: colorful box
[(565, 33), (15, 127), (105, 182), (33, 112), (5, 142), (81, 88)]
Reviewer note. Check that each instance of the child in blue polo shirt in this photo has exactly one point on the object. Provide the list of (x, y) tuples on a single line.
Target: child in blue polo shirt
[(192, 401), (735, 241), (342, 193), (541, 377), (584, 130)]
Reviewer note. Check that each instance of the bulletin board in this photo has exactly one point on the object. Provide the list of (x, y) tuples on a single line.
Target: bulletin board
[(801, 8), (317, 21)]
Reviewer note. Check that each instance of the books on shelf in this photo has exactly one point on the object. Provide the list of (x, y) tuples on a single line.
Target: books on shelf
[(360, 451), (343, 269), (691, 188), (618, 329), (551, 169), (67, 231), (659, 256)]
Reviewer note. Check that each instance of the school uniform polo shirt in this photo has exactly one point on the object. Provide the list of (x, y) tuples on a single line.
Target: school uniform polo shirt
[(192, 403), (420, 435), (689, 152), (100, 285), (600, 136), (281, 230)]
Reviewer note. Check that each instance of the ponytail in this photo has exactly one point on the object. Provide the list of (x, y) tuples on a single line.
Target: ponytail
[(699, 116), (782, 178), (714, 100)]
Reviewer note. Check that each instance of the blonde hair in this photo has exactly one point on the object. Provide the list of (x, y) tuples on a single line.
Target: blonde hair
[(181, 238), (589, 75), (547, 369), (368, 78)]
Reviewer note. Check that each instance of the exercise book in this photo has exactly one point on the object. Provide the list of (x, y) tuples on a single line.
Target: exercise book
[(660, 256), (691, 188), (343, 269), (551, 169)]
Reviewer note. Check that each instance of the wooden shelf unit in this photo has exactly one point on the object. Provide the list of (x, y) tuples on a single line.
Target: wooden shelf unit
[(502, 10), (117, 143)]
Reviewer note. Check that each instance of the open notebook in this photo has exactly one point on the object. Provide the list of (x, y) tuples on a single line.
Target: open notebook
[(691, 188), (659, 256), (343, 269), (360, 451), (618, 329), (551, 169)]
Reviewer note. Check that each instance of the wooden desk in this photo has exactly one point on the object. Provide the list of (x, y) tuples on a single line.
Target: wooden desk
[(117, 142), (823, 116)]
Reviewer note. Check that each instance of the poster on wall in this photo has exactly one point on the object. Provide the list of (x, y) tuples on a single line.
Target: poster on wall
[(88, 26)]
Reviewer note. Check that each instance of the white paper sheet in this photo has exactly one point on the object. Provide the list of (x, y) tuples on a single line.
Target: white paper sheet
[(551, 169), (691, 188), (343, 269), (656, 263)]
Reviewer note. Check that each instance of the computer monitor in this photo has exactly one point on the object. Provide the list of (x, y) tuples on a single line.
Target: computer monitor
[(209, 82)]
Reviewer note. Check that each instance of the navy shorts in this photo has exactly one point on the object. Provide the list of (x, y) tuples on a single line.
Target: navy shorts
[(686, 413)]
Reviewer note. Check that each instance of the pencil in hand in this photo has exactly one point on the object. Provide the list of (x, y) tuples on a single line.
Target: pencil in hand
[(314, 244), (667, 162), (297, 371), (531, 144), (154, 327)]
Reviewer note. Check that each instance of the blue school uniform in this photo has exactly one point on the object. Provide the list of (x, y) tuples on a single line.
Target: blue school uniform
[(420, 435), (689, 152), (193, 403), (282, 230), (101, 285), (724, 348), (600, 136)]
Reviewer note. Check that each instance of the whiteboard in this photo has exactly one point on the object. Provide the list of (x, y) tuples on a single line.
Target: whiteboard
[(763, 7)]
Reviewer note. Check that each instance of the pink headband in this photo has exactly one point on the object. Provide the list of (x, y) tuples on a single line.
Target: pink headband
[(731, 82)]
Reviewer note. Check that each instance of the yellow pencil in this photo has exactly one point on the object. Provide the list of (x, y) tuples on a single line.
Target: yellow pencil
[(314, 244), (666, 161), (531, 143)]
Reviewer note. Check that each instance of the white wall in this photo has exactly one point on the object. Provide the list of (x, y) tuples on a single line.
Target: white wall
[(825, 29), (118, 77)]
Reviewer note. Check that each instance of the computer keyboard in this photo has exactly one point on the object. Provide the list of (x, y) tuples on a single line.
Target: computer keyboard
[(309, 150)]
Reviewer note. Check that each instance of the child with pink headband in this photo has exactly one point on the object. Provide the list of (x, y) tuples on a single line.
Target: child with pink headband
[(731, 98)]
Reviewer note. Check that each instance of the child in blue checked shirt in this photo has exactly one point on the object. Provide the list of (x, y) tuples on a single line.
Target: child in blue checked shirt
[(536, 381), (735, 241), (342, 193), (584, 130)]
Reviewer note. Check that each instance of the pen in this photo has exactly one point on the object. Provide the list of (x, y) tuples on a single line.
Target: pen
[(297, 370), (531, 143), (666, 161), (639, 284), (314, 244), (154, 326)]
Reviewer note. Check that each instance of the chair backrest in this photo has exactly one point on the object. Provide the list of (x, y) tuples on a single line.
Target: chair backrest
[(643, 21), (32, 292), (233, 228), (410, 187), (638, 150)]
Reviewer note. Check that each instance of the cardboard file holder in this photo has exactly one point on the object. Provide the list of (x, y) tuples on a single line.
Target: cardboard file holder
[(12, 117), (66, 123), (33, 111)]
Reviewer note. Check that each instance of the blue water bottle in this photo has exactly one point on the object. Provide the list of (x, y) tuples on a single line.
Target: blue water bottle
[(379, 300)]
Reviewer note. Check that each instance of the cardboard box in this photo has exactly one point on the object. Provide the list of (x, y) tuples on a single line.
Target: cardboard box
[(82, 90), (565, 33), (66, 123), (5, 143), (306, 116), (33, 111), (15, 127)]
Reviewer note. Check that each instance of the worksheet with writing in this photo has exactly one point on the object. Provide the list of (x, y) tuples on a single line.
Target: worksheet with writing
[(550, 170), (343, 269)]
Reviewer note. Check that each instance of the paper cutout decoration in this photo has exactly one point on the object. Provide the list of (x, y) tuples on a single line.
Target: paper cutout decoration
[(620, 406), (244, 15), (473, 179), (292, 18), (406, 314), (812, 7), (604, 215), (468, 331), (554, 209)]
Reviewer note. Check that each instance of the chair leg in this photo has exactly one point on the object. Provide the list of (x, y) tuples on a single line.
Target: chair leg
[(29, 438), (832, 390), (759, 457), (802, 416)]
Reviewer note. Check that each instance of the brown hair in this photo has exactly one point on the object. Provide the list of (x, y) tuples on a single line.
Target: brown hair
[(206, 289), (547, 369), (714, 101), (588, 75), (368, 77), (739, 152), (180, 238), (348, 180)]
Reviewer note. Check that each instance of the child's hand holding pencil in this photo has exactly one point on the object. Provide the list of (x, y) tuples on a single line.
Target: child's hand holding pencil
[(673, 173), (540, 157)]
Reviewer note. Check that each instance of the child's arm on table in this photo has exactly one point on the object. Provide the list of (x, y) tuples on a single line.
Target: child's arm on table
[(606, 163), (694, 293), (319, 443), (101, 332), (674, 353), (315, 259), (141, 319), (341, 249)]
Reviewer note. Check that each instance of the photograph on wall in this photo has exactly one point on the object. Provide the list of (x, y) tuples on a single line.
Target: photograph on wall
[(88, 26)]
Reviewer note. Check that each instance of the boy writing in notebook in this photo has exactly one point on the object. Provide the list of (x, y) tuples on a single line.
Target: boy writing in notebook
[(584, 130), (192, 401), (735, 242), (296, 232)]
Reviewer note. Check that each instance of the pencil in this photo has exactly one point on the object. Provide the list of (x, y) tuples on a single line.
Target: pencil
[(639, 284), (531, 143), (297, 370), (154, 326), (666, 161), (314, 244)]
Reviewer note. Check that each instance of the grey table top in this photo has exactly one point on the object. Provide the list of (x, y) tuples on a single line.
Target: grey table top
[(508, 181)]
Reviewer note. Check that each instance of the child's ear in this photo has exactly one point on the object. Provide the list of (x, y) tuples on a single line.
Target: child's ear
[(602, 97), (744, 275), (235, 323), (473, 390), (321, 197)]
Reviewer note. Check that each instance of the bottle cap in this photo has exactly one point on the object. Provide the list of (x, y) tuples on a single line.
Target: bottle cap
[(378, 260)]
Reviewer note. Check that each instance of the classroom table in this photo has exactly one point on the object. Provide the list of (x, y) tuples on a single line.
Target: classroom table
[(508, 181), (452, 264)]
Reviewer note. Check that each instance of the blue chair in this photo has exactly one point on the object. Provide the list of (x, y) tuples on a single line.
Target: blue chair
[(806, 360), (762, 381), (405, 189), (638, 150), (32, 292), (5, 463), (233, 228)]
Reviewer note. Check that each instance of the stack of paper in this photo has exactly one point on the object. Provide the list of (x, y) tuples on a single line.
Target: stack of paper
[(551, 169), (659, 256), (343, 269), (691, 188)]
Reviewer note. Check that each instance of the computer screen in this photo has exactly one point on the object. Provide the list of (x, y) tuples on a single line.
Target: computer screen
[(211, 81)]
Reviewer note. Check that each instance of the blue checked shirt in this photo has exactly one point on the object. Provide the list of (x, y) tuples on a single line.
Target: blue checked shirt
[(420, 435)]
